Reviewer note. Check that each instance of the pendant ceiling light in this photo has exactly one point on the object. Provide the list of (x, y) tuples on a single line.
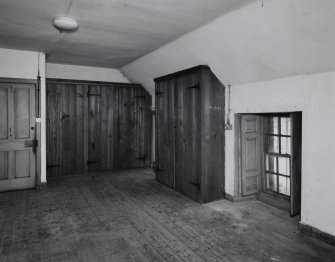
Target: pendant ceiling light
[(65, 24)]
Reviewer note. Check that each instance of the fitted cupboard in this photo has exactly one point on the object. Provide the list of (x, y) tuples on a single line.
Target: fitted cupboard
[(93, 126), (190, 133)]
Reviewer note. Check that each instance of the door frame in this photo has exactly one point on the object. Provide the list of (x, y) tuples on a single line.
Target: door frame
[(37, 123)]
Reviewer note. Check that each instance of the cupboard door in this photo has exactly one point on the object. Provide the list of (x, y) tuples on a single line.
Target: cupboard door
[(165, 133), (251, 150), (188, 137), (94, 128)]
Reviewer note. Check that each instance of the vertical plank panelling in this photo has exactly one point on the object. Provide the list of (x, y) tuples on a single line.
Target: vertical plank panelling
[(86, 113), (97, 126), (104, 127), (73, 128), (213, 135), (94, 128), (66, 130), (79, 138), (54, 130), (146, 129)]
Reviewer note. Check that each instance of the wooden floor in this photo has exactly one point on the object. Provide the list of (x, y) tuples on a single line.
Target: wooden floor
[(127, 216)]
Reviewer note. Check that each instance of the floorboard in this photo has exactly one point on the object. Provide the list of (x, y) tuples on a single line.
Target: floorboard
[(128, 216)]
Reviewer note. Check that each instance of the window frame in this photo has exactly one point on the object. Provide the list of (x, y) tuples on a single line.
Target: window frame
[(266, 153)]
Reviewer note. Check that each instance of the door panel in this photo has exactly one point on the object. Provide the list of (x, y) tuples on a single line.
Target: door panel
[(22, 162), (21, 113), (250, 154), (3, 165), (4, 111), (17, 157)]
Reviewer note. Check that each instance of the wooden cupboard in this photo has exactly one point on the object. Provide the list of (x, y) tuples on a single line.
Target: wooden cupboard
[(190, 133), (93, 126)]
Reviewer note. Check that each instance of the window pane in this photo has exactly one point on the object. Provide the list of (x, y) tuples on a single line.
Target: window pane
[(271, 163), (273, 125), (284, 166), (273, 144), (285, 126), (271, 182), (284, 185), (285, 145)]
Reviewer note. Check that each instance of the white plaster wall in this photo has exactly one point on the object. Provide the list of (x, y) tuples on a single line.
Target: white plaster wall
[(24, 65), (84, 73), (314, 95), (254, 43)]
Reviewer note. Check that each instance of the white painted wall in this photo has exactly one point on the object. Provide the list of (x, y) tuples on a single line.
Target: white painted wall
[(254, 44), (314, 95), (84, 73), (24, 65)]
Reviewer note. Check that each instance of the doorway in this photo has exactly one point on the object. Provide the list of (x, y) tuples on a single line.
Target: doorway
[(17, 135), (271, 158)]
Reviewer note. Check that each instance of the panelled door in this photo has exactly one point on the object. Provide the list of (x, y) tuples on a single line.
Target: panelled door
[(251, 151), (17, 136)]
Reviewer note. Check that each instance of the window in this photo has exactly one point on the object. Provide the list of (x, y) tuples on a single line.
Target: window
[(278, 155)]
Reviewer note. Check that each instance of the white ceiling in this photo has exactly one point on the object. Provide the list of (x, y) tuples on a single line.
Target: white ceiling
[(112, 33)]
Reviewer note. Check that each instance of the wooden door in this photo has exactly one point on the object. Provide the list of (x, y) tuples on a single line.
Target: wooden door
[(250, 154), (17, 136), (165, 133), (188, 136), (65, 129), (94, 128), (295, 200)]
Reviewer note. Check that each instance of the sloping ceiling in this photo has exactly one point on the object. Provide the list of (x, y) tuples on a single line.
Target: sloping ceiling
[(258, 42), (112, 32)]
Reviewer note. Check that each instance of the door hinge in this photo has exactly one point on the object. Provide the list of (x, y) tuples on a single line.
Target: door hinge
[(140, 97), (195, 86), (89, 94), (141, 158), (197, 185), (92, 162)]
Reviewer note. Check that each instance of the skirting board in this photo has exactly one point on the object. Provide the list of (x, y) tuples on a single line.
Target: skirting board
[(309, 230), (240, 198), (41, 186)]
